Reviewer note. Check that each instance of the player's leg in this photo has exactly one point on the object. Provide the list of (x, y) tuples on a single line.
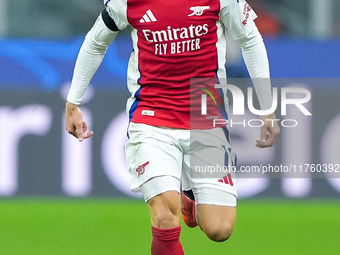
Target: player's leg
[(214, 216), (217, 222), (164, 210), (214, 192), (215, 213), (162, 196), (154, 162)]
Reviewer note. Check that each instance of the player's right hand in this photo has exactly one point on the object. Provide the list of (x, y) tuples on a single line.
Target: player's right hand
[(74, 122)]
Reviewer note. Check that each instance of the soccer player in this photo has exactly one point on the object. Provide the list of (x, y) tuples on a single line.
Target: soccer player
[(175, 41)]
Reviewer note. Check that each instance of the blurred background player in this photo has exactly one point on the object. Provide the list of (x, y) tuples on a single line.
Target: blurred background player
[(173, 41)]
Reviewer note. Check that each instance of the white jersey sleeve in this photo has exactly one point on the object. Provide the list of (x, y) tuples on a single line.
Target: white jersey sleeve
[(238, 17), (89, 59), (117, 10)]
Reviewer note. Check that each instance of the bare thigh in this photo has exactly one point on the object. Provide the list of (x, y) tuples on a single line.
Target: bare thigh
[(217, 222)]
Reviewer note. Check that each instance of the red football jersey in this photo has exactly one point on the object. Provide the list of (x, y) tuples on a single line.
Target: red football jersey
[(175, 41)]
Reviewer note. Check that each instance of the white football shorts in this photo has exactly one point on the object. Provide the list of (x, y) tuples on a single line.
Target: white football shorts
[(159, 160)]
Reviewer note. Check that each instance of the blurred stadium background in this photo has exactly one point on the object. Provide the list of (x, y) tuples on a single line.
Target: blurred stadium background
[(61, 197)]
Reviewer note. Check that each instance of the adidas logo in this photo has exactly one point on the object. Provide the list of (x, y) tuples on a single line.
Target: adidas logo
[(148, 17), (227, 180)]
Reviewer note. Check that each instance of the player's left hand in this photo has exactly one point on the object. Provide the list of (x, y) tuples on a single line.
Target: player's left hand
[(269, 131)]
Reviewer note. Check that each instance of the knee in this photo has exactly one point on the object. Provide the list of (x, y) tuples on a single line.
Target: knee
[(164, 218), (164, 210), (218, 233), (217, 222)]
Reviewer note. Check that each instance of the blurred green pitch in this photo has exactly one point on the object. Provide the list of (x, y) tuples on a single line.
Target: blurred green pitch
[(104, 226)]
